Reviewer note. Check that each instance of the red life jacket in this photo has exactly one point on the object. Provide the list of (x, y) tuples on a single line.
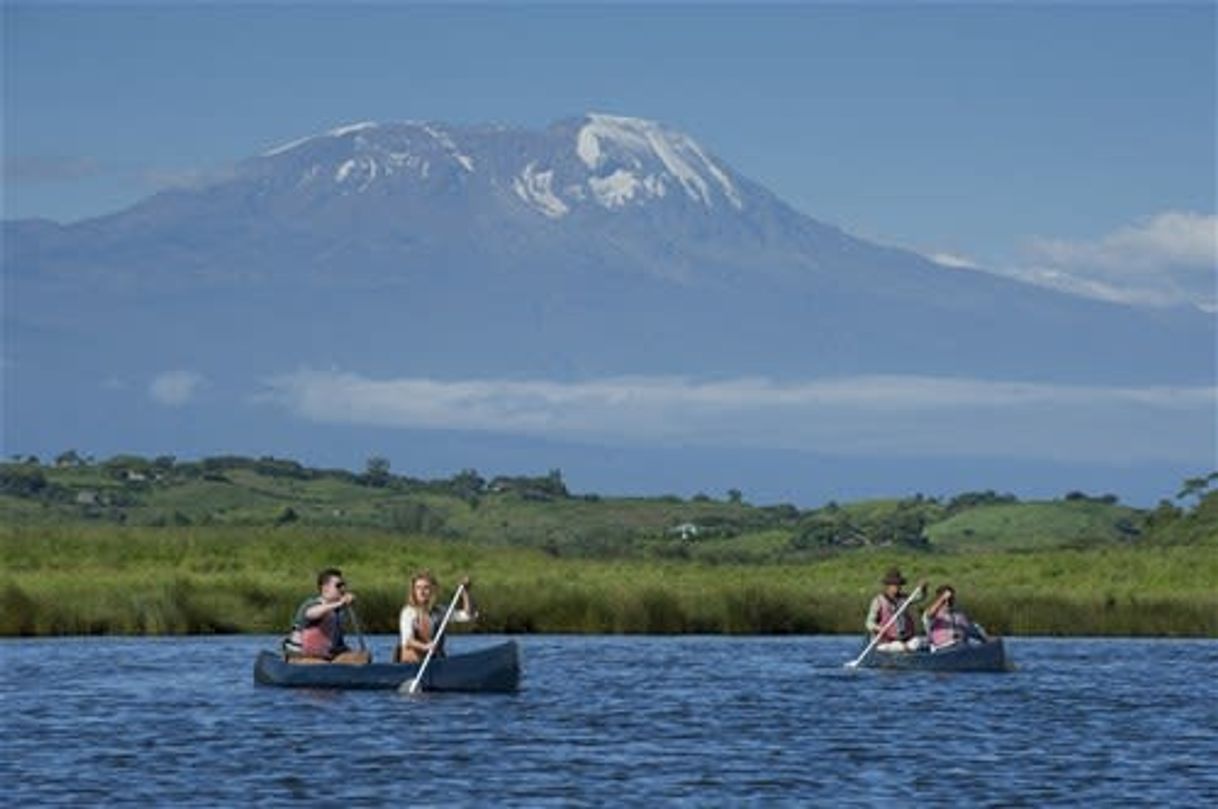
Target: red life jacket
[(319, 639), (901, 629)]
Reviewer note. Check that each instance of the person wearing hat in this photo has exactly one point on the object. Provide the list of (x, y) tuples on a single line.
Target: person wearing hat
[(900, 635), (946, 625)]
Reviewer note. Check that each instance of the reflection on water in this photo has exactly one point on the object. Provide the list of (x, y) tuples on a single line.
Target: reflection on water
[(704, 720)]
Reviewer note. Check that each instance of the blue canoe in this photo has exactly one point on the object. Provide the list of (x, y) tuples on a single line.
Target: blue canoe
[(989, 656), (495, 668)]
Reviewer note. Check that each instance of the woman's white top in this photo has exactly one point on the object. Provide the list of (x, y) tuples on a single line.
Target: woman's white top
[(406, 621)]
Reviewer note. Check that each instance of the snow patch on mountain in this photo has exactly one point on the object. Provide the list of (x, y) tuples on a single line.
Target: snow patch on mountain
[(607, 141), (535, 188), (622, 186), (333, 133), (615, 190), (351, 128), (379, 153), (344, 171), (363, 170), (450, 146)]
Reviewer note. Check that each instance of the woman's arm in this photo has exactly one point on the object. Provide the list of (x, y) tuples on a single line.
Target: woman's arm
[(936, 605), (467, 600), (467, 611)]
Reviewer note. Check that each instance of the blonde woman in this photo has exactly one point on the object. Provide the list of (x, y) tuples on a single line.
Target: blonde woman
[(420, 619)]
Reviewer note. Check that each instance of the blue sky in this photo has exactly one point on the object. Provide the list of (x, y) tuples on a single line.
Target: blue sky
[(1026, 138), (1071, 145)]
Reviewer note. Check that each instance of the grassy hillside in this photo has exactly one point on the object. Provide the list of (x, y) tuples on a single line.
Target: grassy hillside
[(539, 512), (1037, 525)]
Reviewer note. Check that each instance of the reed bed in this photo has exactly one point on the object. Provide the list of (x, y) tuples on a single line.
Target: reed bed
[(142, 581)]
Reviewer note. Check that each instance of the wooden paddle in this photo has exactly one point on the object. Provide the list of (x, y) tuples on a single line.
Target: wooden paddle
[(413, 685), (854, 664)]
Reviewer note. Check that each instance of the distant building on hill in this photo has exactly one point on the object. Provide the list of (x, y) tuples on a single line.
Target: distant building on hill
[(686, 530)]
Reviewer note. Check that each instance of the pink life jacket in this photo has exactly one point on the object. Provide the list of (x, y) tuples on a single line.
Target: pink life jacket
[(901, 629), (946, 627), (318, 639)]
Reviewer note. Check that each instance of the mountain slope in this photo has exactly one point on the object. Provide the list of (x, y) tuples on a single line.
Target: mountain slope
[(600, 228), (601, 246)]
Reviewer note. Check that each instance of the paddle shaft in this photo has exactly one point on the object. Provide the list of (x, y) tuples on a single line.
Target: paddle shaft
[(359, 633), (854, 663), (435, 644)]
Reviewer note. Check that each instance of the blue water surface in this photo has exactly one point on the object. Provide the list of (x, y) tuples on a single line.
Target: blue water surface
[(601, 720)]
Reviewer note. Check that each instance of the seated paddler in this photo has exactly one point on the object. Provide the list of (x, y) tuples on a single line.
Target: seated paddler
[(317, 627), (421, 618), (901, 634), (947, 625)]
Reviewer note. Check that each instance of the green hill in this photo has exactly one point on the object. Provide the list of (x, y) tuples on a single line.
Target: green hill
[(1036, 526), (540, 513)]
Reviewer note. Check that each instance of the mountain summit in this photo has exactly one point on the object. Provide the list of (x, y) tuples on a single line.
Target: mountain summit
[(615, 162)]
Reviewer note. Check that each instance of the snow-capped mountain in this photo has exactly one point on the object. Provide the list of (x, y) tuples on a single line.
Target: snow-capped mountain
[(616, 162), (602, 245)]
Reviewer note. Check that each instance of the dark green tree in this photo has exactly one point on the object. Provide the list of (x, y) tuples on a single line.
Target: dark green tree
[(22, 481), (1196, 487), (69, 458), (376, 472)]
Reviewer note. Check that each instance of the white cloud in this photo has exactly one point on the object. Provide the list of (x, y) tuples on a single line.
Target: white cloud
[(866, 415), (1172, 238), (954, 261), (1167, 259), (175, 388), (161, 178)]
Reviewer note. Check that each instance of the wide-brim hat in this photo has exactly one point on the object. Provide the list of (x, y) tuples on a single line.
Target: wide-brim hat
[(893, 576)]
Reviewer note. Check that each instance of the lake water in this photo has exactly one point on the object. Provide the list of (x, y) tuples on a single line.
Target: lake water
[(690, 720)]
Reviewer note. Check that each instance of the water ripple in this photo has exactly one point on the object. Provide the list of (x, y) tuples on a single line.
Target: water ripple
[(700, 721)]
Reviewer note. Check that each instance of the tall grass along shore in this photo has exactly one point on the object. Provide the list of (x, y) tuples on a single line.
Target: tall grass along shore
[(105, 579)]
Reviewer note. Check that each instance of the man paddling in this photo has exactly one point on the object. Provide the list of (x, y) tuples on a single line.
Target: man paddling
[(900, 635), (317, 628)]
